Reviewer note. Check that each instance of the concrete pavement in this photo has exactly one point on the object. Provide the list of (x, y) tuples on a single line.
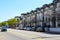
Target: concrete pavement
[(13, 34)]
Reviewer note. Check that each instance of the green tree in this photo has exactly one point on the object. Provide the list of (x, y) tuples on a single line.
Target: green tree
[(3, 23), (12, 22)]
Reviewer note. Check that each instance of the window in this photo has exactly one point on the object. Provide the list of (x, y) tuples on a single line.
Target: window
[(58, 4), (46, 19), (20, 18), (58, 24), (58, 8), (51, 7)]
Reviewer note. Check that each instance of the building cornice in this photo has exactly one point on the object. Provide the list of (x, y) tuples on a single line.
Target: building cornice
[(32, 12), (17, 16), (23, 14), (50, 4), (46, 5), (27, 13), (38, 9), (56, 1)]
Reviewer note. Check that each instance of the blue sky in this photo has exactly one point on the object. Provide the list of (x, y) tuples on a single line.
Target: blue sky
[(12, 8)]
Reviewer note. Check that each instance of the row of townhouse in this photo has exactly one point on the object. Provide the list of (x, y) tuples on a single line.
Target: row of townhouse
[(47, 16)]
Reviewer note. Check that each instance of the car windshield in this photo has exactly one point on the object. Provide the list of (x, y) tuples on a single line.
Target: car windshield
[(4, 27)]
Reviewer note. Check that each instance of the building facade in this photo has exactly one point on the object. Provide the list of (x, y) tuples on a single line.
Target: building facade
[(46, 16)]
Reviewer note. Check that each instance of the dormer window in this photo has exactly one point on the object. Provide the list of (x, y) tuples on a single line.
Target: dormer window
[(38, 11), (54, 1), (51, 7), (41, 9), (58, 8), (46, 8), (58, 4)]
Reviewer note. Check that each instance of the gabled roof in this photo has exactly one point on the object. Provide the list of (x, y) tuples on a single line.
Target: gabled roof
[(38, 8), (17, 16), (45, 5), (50, 4), (55, 1), (23, 14), (32, 11), (42, 7)]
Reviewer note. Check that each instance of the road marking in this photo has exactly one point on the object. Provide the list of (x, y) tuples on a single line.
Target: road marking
[(39, 39), (25, 35)]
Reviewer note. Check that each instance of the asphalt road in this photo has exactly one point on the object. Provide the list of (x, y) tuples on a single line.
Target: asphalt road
[(13, 34)]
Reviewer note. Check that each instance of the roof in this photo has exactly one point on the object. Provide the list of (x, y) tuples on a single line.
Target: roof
[(17, 16)]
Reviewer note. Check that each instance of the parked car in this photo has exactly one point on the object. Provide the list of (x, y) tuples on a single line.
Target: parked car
[(29, 29), (20, 28), (25, 28), (33, 29), (39, 29), (4, 28)]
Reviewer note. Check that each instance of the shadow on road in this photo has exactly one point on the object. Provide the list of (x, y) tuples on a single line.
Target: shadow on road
[(41, 37), (52, 33)]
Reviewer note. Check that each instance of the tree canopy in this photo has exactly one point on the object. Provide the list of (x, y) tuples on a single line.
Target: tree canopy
[(3, 23), (9, 22)]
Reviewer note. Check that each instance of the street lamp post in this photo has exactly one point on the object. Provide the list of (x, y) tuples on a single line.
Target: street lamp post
[(31, 13), (35, 18), (55, 18), (30, 20)]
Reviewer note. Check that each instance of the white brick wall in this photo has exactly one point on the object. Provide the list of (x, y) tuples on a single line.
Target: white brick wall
[(58, 8), (39, 16)]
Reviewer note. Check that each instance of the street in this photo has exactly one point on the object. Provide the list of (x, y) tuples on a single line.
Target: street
[(13, 34)]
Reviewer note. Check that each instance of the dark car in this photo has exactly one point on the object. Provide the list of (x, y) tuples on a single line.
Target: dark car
[(35, 27), (39, 29), (28, 28), (4, 28), (25, 28)]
